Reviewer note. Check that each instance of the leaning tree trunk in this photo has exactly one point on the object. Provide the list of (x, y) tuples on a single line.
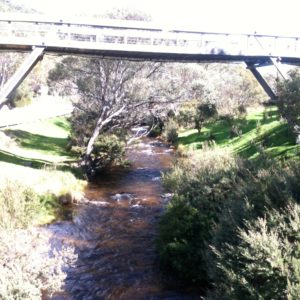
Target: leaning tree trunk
[(87, 162)]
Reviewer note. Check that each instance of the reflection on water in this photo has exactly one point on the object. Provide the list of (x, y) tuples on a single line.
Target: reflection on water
[(114, 233)]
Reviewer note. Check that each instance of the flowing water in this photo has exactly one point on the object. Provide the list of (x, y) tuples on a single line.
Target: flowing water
[(114, 232)]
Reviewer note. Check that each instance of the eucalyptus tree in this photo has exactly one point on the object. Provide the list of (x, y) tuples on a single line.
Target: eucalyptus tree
[(289, 101), (116, 94)]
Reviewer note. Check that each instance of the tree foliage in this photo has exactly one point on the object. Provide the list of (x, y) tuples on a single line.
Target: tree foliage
[(230, 87), (233, 224), (116, 94), (289, 101), (205, 112), (201, 185)]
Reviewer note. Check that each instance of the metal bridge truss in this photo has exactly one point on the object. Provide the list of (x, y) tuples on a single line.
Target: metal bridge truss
[(139, 40)]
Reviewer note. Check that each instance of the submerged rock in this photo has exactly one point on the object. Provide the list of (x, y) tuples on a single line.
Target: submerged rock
[(122, 196), (70, 198)]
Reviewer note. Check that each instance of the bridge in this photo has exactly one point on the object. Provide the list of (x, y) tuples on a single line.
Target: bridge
[(138, 40)]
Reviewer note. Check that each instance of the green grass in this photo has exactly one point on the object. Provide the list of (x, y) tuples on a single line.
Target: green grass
[(38, 143), (260, 128)]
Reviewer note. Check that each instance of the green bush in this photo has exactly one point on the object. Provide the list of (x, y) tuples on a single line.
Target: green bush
[(205, 112), (108, 150), (23, 96), (266, 262), (26, 266), (19, 206), (170, 131), (186, 114), (255, 246), (234, 224), (29, 266), (201, 185)]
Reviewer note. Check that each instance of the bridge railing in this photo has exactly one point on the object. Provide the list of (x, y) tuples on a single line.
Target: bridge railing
[(137, 36)]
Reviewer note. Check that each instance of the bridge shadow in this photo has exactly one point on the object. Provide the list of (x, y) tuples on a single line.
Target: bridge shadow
[(62, 125), (28, 140), (38, 144), (11, 158)]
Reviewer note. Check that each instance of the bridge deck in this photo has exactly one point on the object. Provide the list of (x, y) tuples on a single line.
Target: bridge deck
[(140, 40)]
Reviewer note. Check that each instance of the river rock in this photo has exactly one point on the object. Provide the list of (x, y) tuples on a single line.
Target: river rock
[(70, 197), (122, 196), (167, 196)]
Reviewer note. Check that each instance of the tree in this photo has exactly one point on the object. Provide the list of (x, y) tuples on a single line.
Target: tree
[(116, 94), (230, 87), (289, 101), (205, 112)]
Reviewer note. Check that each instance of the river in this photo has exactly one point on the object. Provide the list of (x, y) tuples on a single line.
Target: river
[(114, 232)]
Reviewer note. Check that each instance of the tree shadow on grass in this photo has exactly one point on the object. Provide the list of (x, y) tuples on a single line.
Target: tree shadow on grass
[(38, 163), (277, 141), (218, 131), (193, 138), (22, 161), (62, 124), (38, 142)]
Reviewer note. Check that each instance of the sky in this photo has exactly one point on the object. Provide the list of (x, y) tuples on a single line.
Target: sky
[(279, 17)]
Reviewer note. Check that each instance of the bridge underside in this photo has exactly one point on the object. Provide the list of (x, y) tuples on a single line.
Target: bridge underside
[(138, 40), (252, 62), (258, 61)]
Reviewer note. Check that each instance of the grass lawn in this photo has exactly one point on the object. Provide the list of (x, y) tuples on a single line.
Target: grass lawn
[(37, 143), (260, 128), (35, 154)]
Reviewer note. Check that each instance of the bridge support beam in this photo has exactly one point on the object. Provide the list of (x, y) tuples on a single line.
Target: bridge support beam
[(262, 81), (277, 64), (12, 84)]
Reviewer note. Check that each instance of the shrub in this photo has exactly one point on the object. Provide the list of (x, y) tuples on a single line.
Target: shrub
[(256, 239), (266, 262), (235, 131), (201, 185), (23, 96), (170, 131), (156, 126), (26, 267), (186, 114), (108, 150), (205, 112), (19, 205), (224, 202)]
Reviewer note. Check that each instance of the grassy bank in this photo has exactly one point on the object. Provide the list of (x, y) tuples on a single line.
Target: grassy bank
[(261, 128), (35, 155)]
